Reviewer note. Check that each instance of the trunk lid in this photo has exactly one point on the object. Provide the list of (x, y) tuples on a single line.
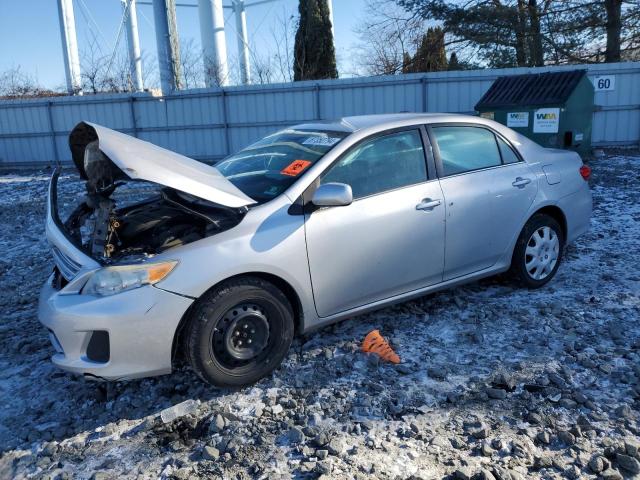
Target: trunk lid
[(103, 156)]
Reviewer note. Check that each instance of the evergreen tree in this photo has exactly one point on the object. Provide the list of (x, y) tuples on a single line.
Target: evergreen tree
[(407, 62), (528, 33), (430, 55), (314, 53), (454, 64)]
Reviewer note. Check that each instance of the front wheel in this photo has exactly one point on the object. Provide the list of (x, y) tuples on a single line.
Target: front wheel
[(538, 252), (239, 332)]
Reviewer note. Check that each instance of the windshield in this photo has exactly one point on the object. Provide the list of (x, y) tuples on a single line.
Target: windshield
[(268, 167)]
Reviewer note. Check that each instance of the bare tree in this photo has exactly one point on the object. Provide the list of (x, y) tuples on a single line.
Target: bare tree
[(211, 70), (191, 65), (388, 34), (93, 63), (283, 33), (14, 83), (264, 67), (104, 73)]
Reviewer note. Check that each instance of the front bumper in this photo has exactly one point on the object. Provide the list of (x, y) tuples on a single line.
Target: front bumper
[(140, 323)]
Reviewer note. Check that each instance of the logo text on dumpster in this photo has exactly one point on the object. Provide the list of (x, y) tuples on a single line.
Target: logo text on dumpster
[(518, 119), (546, 120)]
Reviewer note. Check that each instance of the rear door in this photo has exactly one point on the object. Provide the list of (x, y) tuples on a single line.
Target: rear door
[(513, 190), (390, 240), (488, 190)]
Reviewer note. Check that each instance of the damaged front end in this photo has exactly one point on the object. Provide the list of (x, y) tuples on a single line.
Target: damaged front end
[(112, 230), (148, 227)]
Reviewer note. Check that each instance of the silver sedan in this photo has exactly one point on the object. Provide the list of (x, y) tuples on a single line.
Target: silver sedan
[(308, 226)]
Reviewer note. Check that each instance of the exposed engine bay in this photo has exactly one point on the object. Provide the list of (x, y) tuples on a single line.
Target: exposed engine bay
[(146, 228), (163, 220)]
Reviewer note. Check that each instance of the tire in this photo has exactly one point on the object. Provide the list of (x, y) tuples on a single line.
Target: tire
[(544, 237), (239, 332)]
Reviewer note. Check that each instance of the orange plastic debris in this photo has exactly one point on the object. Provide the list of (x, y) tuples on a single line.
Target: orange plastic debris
[(375, 343)]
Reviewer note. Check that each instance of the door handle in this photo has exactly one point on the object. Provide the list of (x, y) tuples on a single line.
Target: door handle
[(428, 204), (521, 182)]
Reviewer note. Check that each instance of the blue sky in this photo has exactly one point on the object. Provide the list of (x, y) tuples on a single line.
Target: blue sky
[(30, 36)]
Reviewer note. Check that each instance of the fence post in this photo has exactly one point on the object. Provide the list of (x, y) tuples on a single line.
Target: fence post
[(225, 122), (425, 104), (316, 91), (52, 132), (134, 122)]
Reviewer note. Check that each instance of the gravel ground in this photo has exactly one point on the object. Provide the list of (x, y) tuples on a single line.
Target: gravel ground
[(495, 382)]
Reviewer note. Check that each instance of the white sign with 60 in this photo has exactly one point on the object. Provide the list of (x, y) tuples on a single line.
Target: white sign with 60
[(604, 83)]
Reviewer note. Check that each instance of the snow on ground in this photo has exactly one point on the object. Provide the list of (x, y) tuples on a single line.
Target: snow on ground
[(496, 382)]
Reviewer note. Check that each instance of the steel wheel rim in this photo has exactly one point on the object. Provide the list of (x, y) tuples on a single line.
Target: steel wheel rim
[(542, 252), (241, 335)]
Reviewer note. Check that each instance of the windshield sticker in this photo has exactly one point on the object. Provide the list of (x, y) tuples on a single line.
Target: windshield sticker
[(295, 168), (323, 141)]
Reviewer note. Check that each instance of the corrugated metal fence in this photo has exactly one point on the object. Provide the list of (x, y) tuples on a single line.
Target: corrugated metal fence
[(208, 124)]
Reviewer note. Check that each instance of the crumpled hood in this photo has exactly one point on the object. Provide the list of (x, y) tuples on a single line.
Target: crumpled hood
[(130, 157)]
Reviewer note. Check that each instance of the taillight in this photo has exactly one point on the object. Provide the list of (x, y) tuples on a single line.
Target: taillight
[(585, 172)]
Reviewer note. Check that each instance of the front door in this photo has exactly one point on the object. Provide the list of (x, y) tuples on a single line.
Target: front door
[(390, 240)]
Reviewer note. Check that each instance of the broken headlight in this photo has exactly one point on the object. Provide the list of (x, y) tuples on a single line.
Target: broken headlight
[(119, 278)]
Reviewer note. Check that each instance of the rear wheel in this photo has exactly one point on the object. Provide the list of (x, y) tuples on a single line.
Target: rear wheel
[(239, 332), (538, 252)]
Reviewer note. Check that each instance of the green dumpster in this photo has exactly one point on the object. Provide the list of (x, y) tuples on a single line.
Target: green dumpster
[(554, 109)]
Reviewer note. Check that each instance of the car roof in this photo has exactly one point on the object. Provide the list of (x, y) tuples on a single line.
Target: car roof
[(367, 124), (359, 122)]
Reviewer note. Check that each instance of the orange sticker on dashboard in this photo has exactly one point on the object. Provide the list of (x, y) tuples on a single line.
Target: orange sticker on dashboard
[(295, 168)]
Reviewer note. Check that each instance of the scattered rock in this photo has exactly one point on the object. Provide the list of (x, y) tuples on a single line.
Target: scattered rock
[(218, 424), (437, 373), (628, 463), (624, 411), (336, 447), (484, 475), (182, 409), (572, 472), (611, 474), (486, 449), (504, 382), (556, 379), (477, 429), (497, 393), (321, 439), (567, 403), (580, 397), (598, 464), (566, 437), (210, 453), (322, 453), (632, 447), (101, 475), (464, 473), (182, 473), (296, 435), (543, 437)]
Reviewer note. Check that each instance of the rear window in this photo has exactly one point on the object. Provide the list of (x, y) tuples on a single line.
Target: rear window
[(268, 167), (508, 155), (464, 149)]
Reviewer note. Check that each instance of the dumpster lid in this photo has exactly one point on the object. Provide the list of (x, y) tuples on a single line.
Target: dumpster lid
[(550, 88)]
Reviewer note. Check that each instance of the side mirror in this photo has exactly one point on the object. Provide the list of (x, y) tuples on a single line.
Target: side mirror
[(332, 195)]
